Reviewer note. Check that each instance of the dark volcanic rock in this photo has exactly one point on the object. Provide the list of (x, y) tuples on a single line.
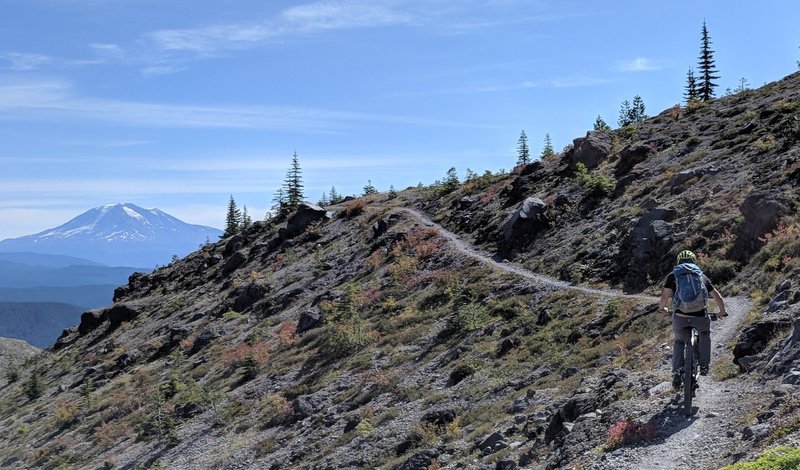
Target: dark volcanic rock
[(525, 183), (309, 321), (306, 215), (120, 313), (91, 320), (648, 245), (440, 417), (233, 263), (631, 156), (762, 211), (418, 461), (755, 337), (526, 221), (248, 294), (590, 150)]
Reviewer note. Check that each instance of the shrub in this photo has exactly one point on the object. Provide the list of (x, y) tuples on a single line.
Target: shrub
[(12, 374), (629, 431), (66, 412), (598, 185), (107, 434), (248, 358), (275, 410), (354, 208), (287, 333), (764, 144), (469, 318), (33, 387), (718, 270), (780, 458)]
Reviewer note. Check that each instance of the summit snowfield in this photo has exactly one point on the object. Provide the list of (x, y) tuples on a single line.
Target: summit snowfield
[(118, 235)]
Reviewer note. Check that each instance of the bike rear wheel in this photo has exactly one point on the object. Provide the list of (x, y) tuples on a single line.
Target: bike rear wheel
[(688, 377)]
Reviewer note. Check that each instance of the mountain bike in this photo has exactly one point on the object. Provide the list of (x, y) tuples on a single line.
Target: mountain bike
[(691, 367)]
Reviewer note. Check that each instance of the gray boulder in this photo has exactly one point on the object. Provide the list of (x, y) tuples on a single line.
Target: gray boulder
[(590, 150), (306, 215), (527, 220)]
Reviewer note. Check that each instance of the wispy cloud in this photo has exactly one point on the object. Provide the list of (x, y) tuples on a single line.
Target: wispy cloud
[(302, 19), (20, 61), (639, 64), (108, 143), (56, 100)]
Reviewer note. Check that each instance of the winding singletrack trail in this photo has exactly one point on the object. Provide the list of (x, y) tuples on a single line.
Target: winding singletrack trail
[(695, 442), (513, 268)]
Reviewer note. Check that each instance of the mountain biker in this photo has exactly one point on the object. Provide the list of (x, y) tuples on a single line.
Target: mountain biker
[(683, 321)]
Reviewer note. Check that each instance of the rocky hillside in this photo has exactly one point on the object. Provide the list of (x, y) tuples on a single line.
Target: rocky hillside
[(12, 352), (420, 330)]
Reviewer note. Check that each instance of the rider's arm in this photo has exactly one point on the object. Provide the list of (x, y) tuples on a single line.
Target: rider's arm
[(720, 303), (666, 294)]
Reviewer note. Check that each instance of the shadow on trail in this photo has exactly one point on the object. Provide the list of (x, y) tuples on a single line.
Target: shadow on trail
[(670, 420)]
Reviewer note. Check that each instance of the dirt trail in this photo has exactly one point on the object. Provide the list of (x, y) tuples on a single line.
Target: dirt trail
[(700, 441), (696, 442), (512, 268)]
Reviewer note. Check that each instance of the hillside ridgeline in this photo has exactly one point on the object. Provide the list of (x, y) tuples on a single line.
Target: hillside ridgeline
[(365, 336)]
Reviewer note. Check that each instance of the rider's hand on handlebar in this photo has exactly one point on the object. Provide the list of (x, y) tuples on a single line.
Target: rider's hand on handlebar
[(665, 310)]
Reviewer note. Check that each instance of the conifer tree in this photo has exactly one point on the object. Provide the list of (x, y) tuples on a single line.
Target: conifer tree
[(324, 201), (334, 197), (690, 92), (707, 68), (470, 175), (369, 188), (600, 125), (547, 150), (624, 114), (233, 220), (392, 192), (523, 154), (451, 181), (293, 185), (247, 221), (637, 110), (279, 206)]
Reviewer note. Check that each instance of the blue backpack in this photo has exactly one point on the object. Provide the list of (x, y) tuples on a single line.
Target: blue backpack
[(690, 294)]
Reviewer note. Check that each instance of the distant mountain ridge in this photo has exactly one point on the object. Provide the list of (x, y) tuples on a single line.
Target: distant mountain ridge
[(117, 235), (37, 323)]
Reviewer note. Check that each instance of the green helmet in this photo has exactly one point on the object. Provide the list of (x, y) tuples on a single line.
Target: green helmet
[(686, 256)]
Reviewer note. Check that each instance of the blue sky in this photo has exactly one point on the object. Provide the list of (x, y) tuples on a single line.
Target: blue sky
[(178, 104)]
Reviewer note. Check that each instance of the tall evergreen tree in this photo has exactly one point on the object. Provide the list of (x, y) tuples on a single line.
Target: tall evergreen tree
[(637, 110), (523, 153), (624, 114), (247, 221), (233, 220), (334, 197), (547, 150), (294, 184), (690, 91), (600, 125), (279, 205), (706, 67)]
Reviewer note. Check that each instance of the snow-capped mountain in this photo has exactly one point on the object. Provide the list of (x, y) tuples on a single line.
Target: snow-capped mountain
[(118, 235)]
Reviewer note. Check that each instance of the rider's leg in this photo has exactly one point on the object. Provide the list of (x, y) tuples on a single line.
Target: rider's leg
[(703, 326), (681, 330)]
